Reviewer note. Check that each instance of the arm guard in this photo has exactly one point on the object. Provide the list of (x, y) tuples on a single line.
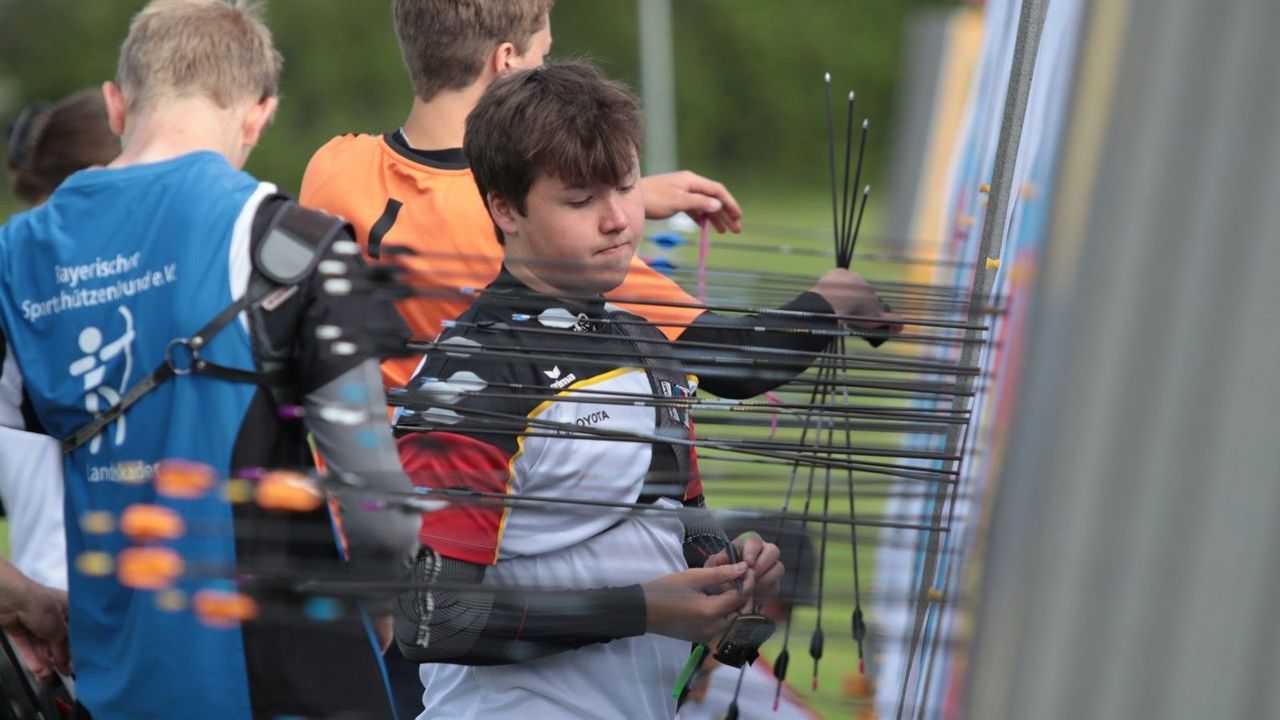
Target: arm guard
[(500, 626)]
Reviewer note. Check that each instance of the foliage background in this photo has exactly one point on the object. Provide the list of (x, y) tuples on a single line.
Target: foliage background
[(749, 91)]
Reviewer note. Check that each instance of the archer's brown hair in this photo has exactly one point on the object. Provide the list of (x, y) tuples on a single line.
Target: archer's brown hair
[(568, 121), (48, 142), (445, 42)]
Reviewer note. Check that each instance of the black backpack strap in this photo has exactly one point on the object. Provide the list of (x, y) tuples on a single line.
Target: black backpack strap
[(668, 381), (285, 253)]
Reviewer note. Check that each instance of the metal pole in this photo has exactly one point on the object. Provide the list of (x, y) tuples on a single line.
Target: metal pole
[(658, 85)]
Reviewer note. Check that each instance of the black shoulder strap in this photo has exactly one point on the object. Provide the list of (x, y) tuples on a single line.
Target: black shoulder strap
[(667, 379), (285, 252)]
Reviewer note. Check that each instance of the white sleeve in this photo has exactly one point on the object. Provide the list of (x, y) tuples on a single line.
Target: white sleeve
[(10, 393), (31, 486)]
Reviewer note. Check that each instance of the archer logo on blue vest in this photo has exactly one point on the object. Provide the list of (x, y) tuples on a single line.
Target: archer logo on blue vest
[(99, 395)]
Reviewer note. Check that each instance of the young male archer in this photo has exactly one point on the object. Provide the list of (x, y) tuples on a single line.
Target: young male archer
[(576, 611)]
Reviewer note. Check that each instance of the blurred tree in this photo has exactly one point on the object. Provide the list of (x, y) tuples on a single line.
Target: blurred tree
[(749, 72)]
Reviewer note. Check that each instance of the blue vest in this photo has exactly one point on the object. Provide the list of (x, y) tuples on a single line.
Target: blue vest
[(93, 286)]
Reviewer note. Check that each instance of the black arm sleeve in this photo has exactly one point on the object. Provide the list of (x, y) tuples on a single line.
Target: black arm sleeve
[(500, 626), (703, 536), (754, 354)]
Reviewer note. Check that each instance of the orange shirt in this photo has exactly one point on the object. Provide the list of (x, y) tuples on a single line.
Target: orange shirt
[(405, 200)]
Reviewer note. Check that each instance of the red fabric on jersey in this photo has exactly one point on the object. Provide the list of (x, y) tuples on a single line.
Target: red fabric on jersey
[(440, 460)]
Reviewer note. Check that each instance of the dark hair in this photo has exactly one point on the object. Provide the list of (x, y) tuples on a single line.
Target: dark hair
[(445, 42), (568, 121), (46, 143)]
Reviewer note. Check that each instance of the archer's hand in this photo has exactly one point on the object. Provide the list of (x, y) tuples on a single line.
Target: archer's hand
[(35, 617), (684, 191), (677, 605), (763, 559), (849, 293)]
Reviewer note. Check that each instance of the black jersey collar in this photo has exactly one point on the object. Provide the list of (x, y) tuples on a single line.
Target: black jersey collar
[(447, 159), (512, 295)]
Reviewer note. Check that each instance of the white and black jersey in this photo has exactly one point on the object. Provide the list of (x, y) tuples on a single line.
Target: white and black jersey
[(564, 407)]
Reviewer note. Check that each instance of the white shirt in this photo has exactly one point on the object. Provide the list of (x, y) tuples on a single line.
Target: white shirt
[(628, 679), (31, 488)]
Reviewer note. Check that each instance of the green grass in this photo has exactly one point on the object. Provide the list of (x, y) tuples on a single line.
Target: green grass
[(771, 218)]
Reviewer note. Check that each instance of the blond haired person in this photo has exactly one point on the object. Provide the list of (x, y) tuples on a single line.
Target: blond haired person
[(96, 287)]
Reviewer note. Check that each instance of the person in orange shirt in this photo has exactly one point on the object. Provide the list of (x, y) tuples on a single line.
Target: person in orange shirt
[(412, 189)]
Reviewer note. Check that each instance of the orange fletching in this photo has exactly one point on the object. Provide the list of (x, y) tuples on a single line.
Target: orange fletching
[(288, 491), (184, 479), (148, 523), (148, 568), (220, 608)]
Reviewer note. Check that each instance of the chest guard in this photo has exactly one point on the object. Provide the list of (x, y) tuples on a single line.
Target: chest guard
[(284, 254)]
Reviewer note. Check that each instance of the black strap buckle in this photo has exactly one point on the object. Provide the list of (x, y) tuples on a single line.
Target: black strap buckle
[(192, 356)]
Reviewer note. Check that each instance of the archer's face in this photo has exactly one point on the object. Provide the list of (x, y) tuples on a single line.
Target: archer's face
[(574, 240)]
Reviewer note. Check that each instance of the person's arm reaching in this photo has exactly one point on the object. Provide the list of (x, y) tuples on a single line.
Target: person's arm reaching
[(494, 626), (744, 356), (445, 621), (347, 418), (741, 356), (344, 406), (670, 193)]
